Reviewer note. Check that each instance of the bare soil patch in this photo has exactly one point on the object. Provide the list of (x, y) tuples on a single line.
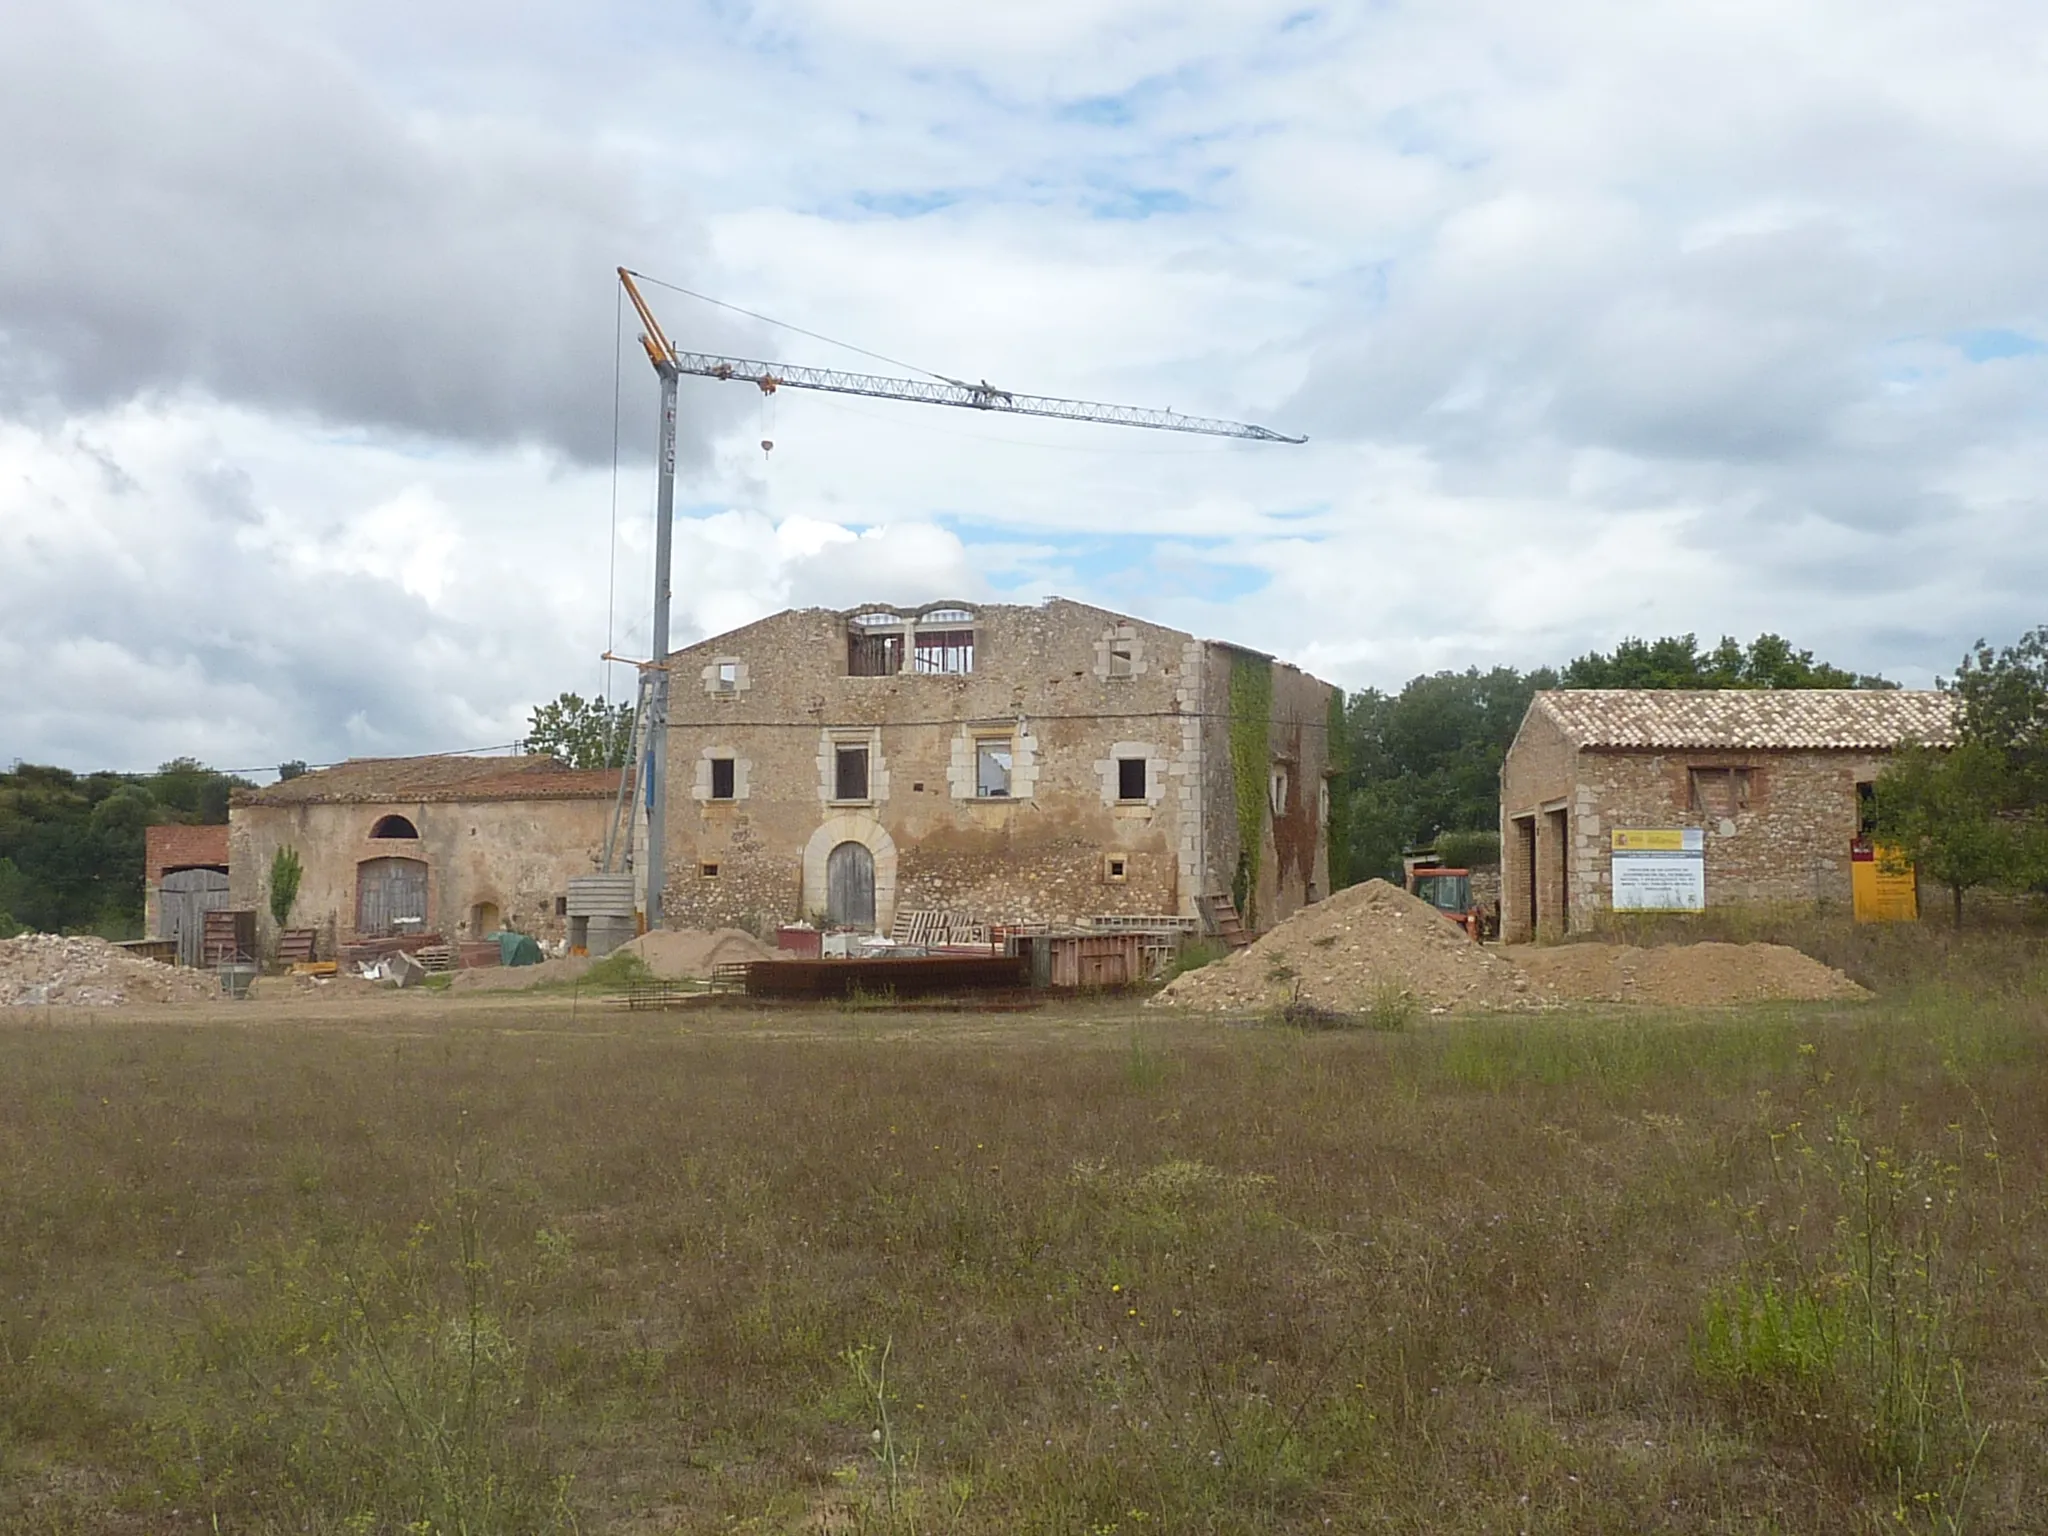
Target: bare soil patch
[(684, 954), (1682, 975)]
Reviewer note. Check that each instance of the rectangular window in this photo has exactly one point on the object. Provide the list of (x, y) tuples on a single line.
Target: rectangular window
[(850, 773), (944, 650), (561, 906), (721, 778), (1278, 789), (707, 871), (1130, 778), (728, 676), (993, 758), (1866, 809), (1120, 658), (1719, 792), (874, 655), (1115, 868)]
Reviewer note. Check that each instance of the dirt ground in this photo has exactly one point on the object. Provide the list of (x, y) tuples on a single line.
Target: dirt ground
[(1681, 975)]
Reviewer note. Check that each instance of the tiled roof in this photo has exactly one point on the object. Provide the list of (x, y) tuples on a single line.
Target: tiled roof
[(416, 780), (1783, 719)]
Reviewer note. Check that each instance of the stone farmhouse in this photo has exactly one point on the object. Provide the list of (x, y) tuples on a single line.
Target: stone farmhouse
[(1016, 764), (1746, 796), (455, 846)]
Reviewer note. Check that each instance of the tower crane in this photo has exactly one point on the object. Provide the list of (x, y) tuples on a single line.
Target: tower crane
[(671, 363)]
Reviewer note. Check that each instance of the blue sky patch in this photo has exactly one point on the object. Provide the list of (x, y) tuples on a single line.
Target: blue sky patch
[(1990, 345)]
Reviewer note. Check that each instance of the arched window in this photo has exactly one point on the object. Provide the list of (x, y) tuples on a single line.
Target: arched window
[(394, 826)]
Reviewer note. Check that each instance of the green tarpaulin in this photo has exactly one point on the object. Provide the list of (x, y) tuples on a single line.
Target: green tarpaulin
[(516, 948)]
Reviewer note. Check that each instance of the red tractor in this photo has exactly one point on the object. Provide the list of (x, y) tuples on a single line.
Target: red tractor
[(1450, 892)]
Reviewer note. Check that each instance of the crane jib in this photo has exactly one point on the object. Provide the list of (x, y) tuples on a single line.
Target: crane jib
[(981, 397)]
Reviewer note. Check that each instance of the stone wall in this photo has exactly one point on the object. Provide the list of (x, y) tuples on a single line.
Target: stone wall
[(1788, 843), (1067, 689), (516, 855)]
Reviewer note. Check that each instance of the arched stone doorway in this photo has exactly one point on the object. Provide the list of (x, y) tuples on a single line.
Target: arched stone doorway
[(391, 897), (868, 833), (850, 886)]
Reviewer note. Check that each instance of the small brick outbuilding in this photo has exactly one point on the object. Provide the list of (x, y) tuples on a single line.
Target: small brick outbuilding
[(1765, 790)]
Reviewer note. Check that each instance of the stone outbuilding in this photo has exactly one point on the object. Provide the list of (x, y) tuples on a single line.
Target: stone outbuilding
[(1015, 764), (455, 846), (1678, 798)]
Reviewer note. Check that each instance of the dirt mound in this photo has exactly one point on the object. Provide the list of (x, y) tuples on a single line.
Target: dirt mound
[(40, 968), (1681, 975), (679, 954), (517, 978), (1347, 953)]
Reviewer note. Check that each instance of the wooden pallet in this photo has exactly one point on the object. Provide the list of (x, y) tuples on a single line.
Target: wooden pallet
[(436, 957), (298, 946), (927, 928)]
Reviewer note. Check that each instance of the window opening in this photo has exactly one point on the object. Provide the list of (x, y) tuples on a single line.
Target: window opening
[(394, 826), (874, 655), (1119, 658), (707, 871), (1278, 788), (728, 676), (1115, 868), (1130, 778), (1866, 809), (993, 759), (946, 616), (949, 651), (1719, 792), (721, 778), (850, 773), (561, 906)]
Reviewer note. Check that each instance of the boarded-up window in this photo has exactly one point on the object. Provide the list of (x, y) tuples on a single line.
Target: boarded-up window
[(850, 773), (721, 778), (1719, 792), (1130, 778)]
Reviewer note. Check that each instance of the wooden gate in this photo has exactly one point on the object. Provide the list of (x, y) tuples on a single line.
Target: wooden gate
[(182, 902), (389, 891), (850, 886)]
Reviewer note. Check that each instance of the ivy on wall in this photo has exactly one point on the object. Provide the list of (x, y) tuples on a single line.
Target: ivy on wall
[(1251, 726)]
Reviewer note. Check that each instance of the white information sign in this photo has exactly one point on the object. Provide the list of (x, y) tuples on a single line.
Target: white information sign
[(1659, 869)]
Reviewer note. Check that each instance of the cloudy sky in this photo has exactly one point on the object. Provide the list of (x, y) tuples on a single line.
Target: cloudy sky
[(1602, 319)]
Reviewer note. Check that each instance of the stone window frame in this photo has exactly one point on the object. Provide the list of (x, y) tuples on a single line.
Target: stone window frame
[(830, 740), (1116, 868), (963, 770), (712, 674), (1120, 653), (742, 773), (1744, 783), (1109, 773)]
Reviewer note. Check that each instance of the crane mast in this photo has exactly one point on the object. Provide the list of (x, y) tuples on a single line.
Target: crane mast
[(671, 363)]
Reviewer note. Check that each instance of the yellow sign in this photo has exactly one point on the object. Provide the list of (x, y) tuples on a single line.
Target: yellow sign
[(1656, 840), (1882, 888)]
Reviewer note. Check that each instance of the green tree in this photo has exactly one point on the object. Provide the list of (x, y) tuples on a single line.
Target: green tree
[(285, 874), (296, 768), (1943, 811), (584, 733), (2002, 703), (1676, 661)]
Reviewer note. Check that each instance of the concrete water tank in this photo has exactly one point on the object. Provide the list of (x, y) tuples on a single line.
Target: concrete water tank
[(601, 913)]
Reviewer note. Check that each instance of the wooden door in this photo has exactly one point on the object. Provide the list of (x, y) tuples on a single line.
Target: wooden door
[(850, 886), (388, 891), (182, 902)]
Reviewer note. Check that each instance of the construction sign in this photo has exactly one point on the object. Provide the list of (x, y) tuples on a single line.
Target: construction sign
[(1882, 885), (1659, 869)]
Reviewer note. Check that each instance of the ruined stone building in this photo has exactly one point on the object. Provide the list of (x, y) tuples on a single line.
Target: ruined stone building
[(1678, 799), (1019, 764), (184, 876), (459, 846)]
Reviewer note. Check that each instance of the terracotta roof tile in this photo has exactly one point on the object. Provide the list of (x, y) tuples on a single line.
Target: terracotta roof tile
[(416, 780), (1786, 719)]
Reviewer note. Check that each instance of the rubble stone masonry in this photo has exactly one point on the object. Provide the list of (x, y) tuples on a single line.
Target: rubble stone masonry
[(1068, 692)]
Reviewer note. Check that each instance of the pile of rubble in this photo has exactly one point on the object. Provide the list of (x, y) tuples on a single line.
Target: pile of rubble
[(40, 968), (1364, 944)]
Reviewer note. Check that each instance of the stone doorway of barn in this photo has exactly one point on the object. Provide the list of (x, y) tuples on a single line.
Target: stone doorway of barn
[(850, 886), (391, 897), (484, 918)]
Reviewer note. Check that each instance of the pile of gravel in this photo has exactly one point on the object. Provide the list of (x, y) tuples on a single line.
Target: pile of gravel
[(45, 968), (1351, 953)]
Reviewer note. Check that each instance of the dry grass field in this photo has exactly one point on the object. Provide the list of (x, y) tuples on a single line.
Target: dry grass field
[(505, 1267)]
